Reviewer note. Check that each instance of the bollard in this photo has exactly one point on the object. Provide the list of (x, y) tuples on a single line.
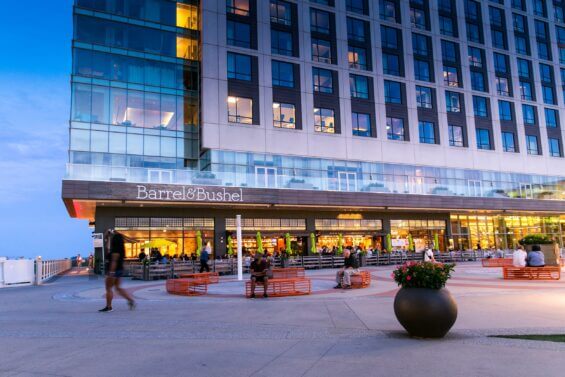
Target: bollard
[(38, 270)]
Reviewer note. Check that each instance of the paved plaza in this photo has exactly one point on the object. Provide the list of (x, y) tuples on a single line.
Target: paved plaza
[(55, 330)]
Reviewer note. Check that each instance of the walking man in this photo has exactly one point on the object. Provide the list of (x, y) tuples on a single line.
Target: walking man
[(204, 256), (115, 271)]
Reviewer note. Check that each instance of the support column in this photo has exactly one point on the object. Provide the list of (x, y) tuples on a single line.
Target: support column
[(310, 228), (220, 246)]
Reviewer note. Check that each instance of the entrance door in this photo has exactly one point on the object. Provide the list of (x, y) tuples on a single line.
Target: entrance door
[(347, 181), (475, 188), (159, 176), (526, 191), (265, 176)]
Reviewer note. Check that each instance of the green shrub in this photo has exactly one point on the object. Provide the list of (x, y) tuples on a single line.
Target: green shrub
[(535, 239), (423, 275)]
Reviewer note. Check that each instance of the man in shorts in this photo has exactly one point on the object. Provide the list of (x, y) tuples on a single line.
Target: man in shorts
[(115, 271), (258, 270)]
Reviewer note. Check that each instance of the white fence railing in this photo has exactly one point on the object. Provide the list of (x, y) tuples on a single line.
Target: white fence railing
[(28, 271)]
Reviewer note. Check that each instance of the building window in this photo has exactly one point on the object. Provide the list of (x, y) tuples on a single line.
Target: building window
[(281, 12), (478, 81), (523, 68), (391, 64), (475, 57), (239, 67), (420, 44), (418, 18), (357, 6), (532, 145), (393, 92), (357, 58), (480, 108), (240, 110), (508, 144), (547, 94), (323, 80), (324, 120), (502, 87), (283, 74), (355, 29), (554, 147), (529, 114), (284, 115), (450, 76), (321, 51), (526, 91), (446, 26), (319, 21), (449, 52), (551, 118), (455, 136), (483, 138), (281, 43), (387, 10), (453, 102), (505, 110), (424, 97), (390, 37), (361, 124), (521, 45), (359, 86), (500, 63), (239, 7), (238, 34), (422, 70), (395, 128), (427, 132)]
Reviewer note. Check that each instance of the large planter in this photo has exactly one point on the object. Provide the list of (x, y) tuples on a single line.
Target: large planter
[(425, 313)]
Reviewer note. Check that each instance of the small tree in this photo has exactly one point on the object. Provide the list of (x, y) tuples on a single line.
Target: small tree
[(340, 244), (230, 247), (388, 242), (436, 242), (313, 248), (287, 244), (259, 243), (198, 243), (410, 243)]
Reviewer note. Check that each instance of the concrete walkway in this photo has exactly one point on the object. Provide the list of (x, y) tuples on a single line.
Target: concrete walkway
[(55, 329)]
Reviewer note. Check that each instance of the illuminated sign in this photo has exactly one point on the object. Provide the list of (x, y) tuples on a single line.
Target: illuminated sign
[(191, 194)]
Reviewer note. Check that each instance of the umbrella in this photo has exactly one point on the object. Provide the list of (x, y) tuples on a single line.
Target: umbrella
[(410, 243), (288, 249), (388, 242), (259, 243), (313, 244), (198, 242)]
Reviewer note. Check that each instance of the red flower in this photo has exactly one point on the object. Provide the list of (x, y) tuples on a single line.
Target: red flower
[(392, 275), (408, 278)]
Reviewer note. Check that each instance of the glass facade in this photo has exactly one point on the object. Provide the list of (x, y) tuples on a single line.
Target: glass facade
[(135, 84)]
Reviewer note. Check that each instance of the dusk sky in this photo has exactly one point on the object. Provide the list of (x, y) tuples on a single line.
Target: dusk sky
[(35, 69)]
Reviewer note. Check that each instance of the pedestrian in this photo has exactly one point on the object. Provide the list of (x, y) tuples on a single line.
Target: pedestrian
[(91, 261), (79, 260), (204, 257), (115, 270), (429, 255)]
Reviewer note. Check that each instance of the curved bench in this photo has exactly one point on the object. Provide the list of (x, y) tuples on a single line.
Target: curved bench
[(532, 273), (287, 273), (280, 287), (361, 280), (208, 277), (187, 287)]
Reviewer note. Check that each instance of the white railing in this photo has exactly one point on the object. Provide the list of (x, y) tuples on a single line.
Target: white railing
[(47, 269)]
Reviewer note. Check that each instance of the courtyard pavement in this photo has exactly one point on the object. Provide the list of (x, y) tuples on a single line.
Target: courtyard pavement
[(55, 330)]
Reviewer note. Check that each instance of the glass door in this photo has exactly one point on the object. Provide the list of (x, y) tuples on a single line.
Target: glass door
[(475, 188), (347, 181), (265, 176)]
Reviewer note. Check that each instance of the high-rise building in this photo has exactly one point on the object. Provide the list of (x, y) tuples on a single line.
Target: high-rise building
[(346, 119)]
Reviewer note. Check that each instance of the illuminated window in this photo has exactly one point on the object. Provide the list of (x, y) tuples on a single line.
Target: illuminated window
[(284, 115), (239, 7), (187, 48), (324, 120), (240, 110), (187, 16)]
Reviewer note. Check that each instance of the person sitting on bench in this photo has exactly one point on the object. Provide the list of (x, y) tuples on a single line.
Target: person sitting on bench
[(519, 257), (350, 267), (258, 270), (535, 257)]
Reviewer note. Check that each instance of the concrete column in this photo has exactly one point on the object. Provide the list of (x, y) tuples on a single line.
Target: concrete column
[(220, 247), (38, 270), (310, 228)]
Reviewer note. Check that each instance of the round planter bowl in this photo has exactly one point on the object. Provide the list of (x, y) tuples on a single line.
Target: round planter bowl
[(425, 313)]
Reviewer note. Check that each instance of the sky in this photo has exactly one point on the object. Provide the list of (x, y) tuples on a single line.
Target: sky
[(35, 66)]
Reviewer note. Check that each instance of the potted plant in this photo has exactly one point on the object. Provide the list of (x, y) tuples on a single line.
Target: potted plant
[(423, 306)]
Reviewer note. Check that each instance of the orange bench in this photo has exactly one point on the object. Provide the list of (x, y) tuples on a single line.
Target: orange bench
[(532, 273), (282, 287), (208, 277), (287, 273), (187, 287), (496, 262), (361, 280)]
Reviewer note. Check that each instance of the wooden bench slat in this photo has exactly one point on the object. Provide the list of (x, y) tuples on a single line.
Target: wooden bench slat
[(361, 280), (283, 287), (532, 273)]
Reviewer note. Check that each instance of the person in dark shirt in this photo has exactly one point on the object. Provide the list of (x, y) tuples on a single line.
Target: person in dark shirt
[(115, 270), (350, 267), (258, 270)]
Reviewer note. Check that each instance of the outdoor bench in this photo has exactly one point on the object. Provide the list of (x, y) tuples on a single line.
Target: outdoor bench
[(208, 277), (281, 287), (496, 262), (532, 273), (361, 279), (187, 287)]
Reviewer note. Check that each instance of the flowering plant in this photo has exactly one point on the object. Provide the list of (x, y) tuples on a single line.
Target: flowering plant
[(423, 275)]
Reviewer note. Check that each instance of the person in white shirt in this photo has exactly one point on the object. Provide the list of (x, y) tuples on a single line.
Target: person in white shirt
[(429, 255), (519, 257)]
